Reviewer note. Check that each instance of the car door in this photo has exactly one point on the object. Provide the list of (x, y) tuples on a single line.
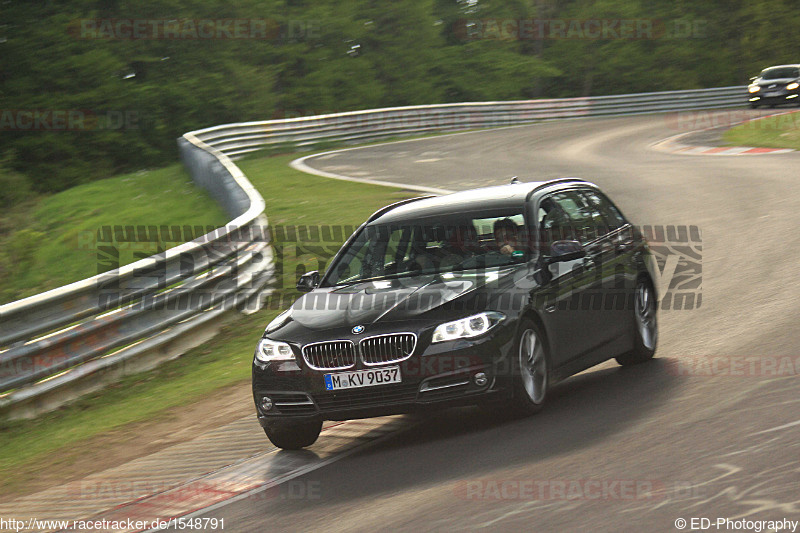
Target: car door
[(559, 296), (613, 253), (586, 306), (604, 305)]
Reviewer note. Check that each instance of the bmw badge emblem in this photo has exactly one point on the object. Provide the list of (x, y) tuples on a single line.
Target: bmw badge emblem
[(357, 329)]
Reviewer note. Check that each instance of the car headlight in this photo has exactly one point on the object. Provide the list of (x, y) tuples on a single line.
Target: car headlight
[(754, 89), (792, 86), (269, 351), (472, 326)]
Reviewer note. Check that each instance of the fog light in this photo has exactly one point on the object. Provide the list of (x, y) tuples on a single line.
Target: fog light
[(266, 403), (480, 379)]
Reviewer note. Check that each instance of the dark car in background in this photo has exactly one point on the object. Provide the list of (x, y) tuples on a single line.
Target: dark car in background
[(774, 86), (487, 296)]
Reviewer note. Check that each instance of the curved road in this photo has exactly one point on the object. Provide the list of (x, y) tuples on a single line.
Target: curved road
[(615, 449)]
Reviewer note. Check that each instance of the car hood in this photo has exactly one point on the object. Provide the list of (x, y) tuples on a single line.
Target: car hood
[(780, 81), (392, 299)]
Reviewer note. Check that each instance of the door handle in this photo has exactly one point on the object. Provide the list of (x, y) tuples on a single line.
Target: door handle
[(593, 257), (624, 246)]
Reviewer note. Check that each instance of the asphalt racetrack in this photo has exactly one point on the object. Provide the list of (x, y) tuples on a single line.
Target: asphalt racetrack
[(708, 429)]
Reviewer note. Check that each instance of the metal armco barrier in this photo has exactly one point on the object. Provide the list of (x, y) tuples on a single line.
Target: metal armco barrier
[(236, 140), (62, 343), (102, 326)]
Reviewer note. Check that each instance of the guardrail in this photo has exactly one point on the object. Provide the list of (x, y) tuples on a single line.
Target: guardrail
[(63, 343), (236, 140)]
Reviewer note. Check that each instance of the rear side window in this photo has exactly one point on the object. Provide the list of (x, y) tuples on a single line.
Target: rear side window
[(580, 215), (599, 202), (587, 221)]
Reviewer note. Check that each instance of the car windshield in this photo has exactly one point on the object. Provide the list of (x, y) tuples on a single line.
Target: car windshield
[(465, 241), (780, 73)]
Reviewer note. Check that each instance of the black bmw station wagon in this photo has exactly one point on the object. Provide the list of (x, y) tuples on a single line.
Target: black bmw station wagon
[(487, 296)]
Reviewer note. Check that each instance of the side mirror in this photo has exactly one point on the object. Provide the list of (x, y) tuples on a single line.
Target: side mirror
[(308, 281), (753, 78), (561, 251)]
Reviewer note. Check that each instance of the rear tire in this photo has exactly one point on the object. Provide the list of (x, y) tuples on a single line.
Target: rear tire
[(645, 325), (531, 370), (293, 435)]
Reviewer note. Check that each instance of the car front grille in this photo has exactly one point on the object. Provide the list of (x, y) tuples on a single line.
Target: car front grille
[(348, 399), (331, 355), (383, 349)]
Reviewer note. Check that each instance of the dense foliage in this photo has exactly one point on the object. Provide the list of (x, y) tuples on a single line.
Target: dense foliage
[(133, 94)]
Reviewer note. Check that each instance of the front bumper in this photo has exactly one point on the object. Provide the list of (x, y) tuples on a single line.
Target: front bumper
[(774, 97), (443, 375)]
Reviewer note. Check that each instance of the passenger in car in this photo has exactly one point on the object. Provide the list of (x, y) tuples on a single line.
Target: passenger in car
[(506, 236), (462, 244)]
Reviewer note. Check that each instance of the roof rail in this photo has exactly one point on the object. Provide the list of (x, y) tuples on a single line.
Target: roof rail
[(560, 180), (389, 207), (554, 182)]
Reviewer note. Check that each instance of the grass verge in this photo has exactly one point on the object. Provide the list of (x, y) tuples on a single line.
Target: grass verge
[(50, 242), (31, 448), (778, 131)]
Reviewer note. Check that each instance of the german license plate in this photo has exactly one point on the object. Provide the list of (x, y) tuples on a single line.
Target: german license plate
[(363, 378)]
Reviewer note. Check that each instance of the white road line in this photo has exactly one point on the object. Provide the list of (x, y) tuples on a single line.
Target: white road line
[(300, 163), (778, 428)]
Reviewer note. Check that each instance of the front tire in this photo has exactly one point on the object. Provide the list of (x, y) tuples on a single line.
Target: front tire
[(645, 325), (531, 373), (291, 435)]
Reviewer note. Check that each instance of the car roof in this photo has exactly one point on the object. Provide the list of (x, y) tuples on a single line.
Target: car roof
[(495, 197), (781, 66)]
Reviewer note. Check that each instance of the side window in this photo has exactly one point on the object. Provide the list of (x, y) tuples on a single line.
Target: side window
[(594, 213), (612, 215), (553, 222), (583, 218), (587, 214)]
